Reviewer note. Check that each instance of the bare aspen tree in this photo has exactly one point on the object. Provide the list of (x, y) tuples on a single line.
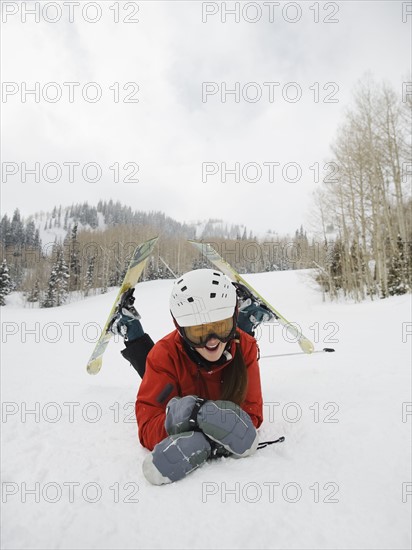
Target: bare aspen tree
[(370, 203)]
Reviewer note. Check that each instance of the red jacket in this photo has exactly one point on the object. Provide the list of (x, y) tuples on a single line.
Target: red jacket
[(170, 372)]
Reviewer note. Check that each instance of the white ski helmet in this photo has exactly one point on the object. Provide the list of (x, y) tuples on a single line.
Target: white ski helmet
[(202, 296)]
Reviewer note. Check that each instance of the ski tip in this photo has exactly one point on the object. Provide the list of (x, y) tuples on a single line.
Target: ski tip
[(94, 366), (306, 345)]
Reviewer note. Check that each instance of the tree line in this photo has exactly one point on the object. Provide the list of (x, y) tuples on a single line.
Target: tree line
[(90, 259)]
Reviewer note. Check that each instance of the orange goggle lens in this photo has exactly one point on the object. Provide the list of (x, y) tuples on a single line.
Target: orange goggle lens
[(200, 334)]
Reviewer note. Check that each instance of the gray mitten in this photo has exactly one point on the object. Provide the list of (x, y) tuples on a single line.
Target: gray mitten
[(228, 425), (181, 414), (175, 457)]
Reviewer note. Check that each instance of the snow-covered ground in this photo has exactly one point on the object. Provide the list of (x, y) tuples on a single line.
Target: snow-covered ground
[(71, 461)]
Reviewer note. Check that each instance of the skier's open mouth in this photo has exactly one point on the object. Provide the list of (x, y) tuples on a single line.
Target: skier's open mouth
[(209, 347)]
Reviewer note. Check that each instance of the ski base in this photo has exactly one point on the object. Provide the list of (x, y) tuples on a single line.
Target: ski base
[(135, 269)]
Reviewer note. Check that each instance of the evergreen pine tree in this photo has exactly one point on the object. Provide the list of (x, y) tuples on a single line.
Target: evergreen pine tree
[(74, 260), (30, 232), (397, 271), (50, 297), (5, 282), (17, 229), (66, 218), (37, 242), (200, 263), (34, 294), (115, 278), (336, 264), (89, 276), (57, 290), (5, 231), (150, 271)]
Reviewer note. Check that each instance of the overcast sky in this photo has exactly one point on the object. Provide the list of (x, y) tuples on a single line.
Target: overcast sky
[(295, 79)]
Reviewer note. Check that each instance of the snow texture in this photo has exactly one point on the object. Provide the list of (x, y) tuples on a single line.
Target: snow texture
[(71, 460)]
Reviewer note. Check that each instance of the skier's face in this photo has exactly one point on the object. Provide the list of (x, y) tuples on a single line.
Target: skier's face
[(199, 335), (213, 350)]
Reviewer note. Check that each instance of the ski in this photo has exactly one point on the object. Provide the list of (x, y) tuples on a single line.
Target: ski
[(210, 253), (135, 269)]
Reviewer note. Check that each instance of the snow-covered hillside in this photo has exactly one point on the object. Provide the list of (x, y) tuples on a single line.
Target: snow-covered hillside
[(71, 461), (55, 226)]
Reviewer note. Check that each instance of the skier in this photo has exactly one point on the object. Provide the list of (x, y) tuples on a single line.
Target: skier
[(200, 395)]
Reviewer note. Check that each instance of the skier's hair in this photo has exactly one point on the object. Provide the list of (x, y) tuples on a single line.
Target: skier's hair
[(234, 378)]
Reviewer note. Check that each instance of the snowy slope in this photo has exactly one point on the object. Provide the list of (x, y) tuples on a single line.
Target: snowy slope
[(338, 481)]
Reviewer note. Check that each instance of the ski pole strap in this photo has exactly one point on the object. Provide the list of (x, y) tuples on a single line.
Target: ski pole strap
[(264, 444)]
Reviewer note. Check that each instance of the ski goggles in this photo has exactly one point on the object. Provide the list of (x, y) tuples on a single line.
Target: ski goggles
[(199, 335)]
